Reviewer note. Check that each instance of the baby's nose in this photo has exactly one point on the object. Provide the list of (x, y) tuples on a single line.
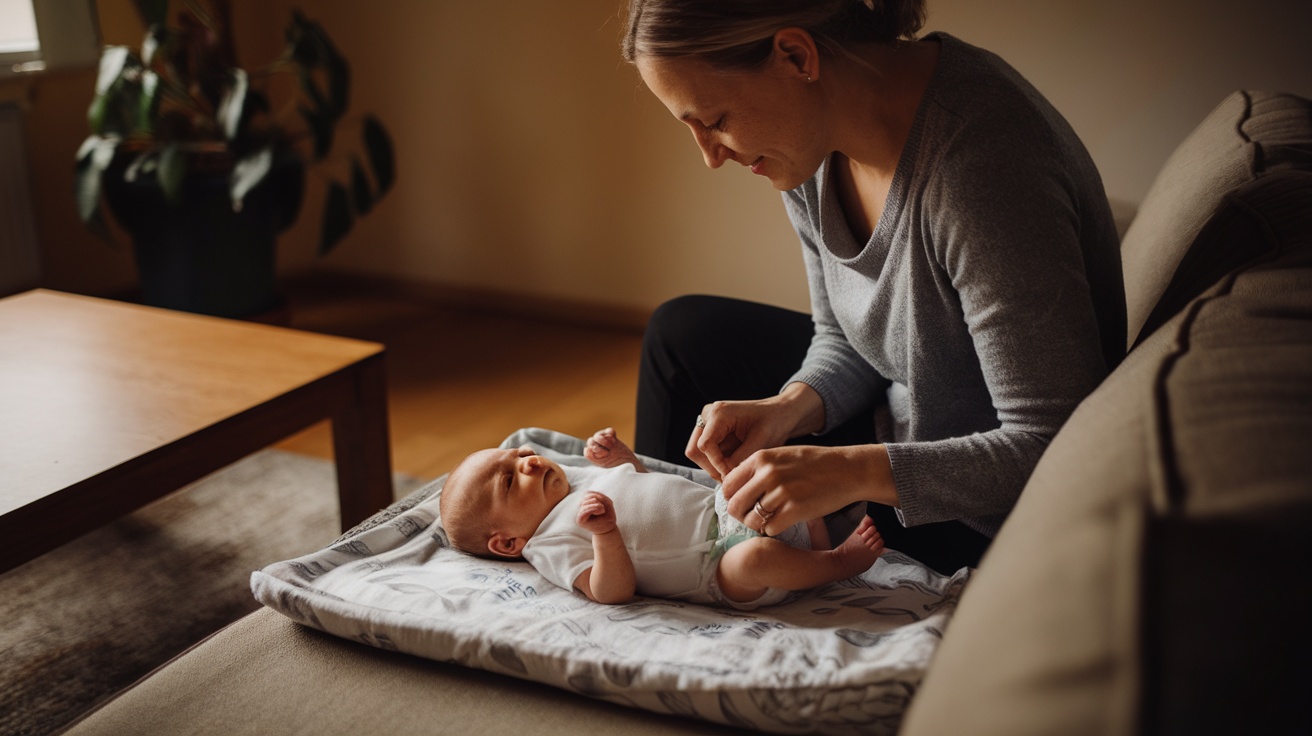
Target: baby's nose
[(532, 463)]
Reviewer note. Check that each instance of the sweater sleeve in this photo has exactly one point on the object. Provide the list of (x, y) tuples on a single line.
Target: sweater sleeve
[(846, 382), (1002, 218)]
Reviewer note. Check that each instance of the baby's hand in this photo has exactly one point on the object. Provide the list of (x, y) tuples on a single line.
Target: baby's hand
[(596, 513)]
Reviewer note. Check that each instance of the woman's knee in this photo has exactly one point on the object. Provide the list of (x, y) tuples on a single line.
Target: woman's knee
[(682, 318)]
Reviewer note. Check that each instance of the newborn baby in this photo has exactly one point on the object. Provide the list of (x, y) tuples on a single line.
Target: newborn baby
[(614, 530)]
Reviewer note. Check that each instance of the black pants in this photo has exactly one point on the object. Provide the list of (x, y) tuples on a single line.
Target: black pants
[(700, 349)]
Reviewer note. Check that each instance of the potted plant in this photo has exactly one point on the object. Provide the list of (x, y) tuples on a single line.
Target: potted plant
[(194, 164)]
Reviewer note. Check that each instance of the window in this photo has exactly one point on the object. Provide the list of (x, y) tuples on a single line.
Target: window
[(47, 34), (20, 49)]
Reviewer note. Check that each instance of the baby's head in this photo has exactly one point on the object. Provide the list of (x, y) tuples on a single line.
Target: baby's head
[(494, 500)]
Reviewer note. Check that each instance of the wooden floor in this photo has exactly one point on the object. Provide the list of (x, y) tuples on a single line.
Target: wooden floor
[(461, 381)]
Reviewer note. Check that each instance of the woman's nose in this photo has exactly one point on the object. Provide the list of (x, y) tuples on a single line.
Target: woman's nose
[(715, 154)]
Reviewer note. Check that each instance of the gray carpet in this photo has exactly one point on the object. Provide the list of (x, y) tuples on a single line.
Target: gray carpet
[(93, 616)]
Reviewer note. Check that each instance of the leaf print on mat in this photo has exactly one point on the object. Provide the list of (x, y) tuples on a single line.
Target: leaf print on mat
[(867, 601), (678, 703), (506, 656), (411, 588), (586, 683), (731, 713), (622, 675), (862, 638)]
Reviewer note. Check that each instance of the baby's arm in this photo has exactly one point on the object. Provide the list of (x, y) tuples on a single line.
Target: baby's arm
[(611, 578)]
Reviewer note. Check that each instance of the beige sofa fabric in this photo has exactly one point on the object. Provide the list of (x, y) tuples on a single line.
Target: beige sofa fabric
[(267, 675), (1209, 420), (1247, 136), (1227, 587)]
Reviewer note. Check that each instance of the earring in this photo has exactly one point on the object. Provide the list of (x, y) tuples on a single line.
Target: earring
[(808, 79)]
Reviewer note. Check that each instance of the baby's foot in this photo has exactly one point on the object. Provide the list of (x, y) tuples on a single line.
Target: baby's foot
[(860, 551), (605, 449)]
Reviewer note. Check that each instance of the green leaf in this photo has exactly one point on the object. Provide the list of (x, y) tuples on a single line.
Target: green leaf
[(229, 115), (247, 174), (115, 110), (321, 126), (311, 89), (339, 80), (156, 37), (148, 103), (112, 61), (138, 165), (379, 147), (361, 194), (153, 11), (172, 170), (93, 157), (337, 218)]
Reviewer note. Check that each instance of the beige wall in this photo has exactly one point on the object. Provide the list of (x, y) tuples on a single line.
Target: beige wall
[(530, 159)]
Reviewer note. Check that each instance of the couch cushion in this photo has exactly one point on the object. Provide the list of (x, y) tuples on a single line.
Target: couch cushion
[(1103, 606), (265, 674), (1249, 135)]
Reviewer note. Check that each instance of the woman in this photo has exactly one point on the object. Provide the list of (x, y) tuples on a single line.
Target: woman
[(963, 266)]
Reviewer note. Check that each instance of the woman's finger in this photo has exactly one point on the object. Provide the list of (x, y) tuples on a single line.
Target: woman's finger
[(714, 433), (743, 488), (695, 455)]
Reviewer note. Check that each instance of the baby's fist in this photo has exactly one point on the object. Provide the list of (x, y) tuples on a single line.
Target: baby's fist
[(596, 513)]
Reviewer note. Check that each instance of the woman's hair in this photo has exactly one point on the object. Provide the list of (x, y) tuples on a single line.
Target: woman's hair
[(739, 34)]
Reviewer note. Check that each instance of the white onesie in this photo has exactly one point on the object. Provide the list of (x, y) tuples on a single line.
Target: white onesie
[(670, 528)]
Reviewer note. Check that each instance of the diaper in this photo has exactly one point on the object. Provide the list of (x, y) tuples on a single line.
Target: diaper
[(726, 532)]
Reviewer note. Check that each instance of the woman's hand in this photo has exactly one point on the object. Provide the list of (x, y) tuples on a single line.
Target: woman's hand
[(733, 430), (799, 483)]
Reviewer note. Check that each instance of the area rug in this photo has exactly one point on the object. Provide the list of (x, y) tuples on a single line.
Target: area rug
[(93, 616)]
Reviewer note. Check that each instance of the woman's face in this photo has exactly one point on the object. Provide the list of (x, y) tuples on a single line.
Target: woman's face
[(758, 118)]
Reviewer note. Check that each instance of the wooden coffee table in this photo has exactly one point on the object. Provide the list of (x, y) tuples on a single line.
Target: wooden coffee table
[(106, 406)]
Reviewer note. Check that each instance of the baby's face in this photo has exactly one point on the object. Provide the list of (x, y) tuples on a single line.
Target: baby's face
[(523, 487)]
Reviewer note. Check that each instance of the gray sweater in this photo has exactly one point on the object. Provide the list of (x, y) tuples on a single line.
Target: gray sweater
[(986, 305)]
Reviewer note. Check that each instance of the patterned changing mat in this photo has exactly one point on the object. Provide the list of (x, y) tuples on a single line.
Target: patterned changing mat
[(842, 658)]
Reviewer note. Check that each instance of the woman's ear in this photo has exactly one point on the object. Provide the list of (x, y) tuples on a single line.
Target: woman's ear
[(504, 545), (795, 54)]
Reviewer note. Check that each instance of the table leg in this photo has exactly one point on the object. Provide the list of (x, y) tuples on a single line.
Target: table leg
[(360, 444)]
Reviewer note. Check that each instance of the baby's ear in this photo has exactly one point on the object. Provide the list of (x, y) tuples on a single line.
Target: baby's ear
[(503, 545)]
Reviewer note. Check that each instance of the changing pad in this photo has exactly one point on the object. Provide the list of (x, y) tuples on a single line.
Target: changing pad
[(842, 658)]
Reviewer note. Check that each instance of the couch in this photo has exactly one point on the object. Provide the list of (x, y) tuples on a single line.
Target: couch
[(1153, 578)]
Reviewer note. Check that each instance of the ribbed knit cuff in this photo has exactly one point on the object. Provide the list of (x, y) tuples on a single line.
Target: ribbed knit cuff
[(913, 476), (825, 383)]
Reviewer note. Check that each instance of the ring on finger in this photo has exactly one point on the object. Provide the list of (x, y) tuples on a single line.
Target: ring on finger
[(765, 515), (701, 421)]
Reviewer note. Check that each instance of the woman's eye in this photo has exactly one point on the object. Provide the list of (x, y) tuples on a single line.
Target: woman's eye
[(718, 125)]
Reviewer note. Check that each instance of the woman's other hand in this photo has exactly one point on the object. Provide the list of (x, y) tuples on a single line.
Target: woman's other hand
[(803, 482), (733, 430)]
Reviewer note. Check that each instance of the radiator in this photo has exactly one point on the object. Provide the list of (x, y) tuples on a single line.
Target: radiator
[(20, 254)]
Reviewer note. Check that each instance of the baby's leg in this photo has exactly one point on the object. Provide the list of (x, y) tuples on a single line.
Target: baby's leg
[(605, 449), (750, 567)]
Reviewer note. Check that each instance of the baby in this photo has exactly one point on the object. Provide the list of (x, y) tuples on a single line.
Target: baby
[(630, 531)]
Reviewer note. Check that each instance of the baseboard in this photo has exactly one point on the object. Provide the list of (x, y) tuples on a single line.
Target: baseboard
[(490, 301)]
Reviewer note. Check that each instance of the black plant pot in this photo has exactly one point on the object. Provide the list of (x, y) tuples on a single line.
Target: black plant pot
[(202, 256)]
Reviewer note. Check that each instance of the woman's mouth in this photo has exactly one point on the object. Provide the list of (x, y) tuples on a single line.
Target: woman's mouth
[(757, 164)]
